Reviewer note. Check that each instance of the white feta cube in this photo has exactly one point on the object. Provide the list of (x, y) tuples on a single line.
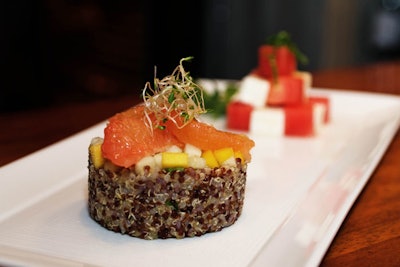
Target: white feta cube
[(253, 90), (268, 121)]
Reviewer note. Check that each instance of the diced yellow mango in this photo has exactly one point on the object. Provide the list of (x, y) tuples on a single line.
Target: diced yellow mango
[(96, 155), (239, 155), (174, 159), (211, 161), (223, 154)]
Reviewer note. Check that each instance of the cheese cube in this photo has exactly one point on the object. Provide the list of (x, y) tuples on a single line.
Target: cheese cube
[(253, 90), (268, 121)]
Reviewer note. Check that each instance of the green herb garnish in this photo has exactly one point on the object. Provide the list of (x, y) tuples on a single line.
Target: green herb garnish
[(217, 102), (283, 38)]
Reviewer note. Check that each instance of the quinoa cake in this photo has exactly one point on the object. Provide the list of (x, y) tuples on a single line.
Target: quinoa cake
[(159, 172)]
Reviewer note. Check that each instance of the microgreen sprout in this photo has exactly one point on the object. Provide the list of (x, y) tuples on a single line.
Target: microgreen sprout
[(173, 97)]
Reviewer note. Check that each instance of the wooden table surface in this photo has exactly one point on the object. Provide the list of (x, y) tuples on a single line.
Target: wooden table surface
[(370, 234)]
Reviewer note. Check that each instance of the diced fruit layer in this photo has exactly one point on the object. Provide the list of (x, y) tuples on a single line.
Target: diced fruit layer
[(127, 140), (207, 137), (174, 157)]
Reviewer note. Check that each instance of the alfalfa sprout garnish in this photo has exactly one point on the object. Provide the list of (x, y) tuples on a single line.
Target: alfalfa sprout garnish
[(175, 97)]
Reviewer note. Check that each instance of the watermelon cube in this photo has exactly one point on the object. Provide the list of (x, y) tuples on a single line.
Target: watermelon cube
[(238, 115), (281, 58), (288, 90), (305, 119)]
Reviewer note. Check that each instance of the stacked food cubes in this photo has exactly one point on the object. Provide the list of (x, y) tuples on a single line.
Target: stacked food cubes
[(274, 99)]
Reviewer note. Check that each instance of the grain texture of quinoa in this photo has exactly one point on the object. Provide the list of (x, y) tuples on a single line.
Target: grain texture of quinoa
[(166, 204)]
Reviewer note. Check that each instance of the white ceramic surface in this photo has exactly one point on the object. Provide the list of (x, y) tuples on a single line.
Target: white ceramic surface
[(298, 192)]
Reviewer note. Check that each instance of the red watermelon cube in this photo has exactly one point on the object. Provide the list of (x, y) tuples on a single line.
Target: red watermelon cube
[(238, 115), (288, 90), (281, 57)]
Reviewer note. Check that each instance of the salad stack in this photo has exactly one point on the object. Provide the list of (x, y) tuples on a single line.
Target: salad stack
[(274, 98)]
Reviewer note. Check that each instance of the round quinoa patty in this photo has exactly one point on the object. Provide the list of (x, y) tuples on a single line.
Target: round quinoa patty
[(175, 203)]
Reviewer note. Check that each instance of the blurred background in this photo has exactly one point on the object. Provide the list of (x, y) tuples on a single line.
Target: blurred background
[(55, 52)]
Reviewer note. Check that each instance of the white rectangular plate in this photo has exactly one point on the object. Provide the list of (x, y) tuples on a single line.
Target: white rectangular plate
[(298, 192)]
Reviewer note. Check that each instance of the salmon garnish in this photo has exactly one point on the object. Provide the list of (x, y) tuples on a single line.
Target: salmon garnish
[(168, 117), (127, 138)]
